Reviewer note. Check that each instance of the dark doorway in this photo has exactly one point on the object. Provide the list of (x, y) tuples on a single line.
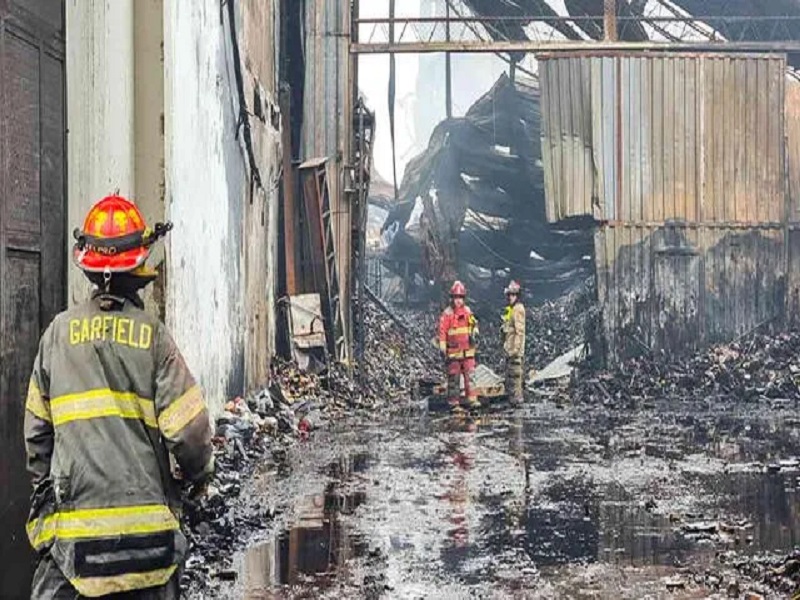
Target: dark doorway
[(32, 241)]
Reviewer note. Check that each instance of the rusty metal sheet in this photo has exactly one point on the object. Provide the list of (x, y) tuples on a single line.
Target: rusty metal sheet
[(307, 323), (691, 137), (793, 146), (291, 213), (328, 128), (670, 288)]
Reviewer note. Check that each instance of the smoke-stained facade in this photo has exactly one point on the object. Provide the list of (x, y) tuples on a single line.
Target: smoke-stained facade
[(680, 160), (168, 132)]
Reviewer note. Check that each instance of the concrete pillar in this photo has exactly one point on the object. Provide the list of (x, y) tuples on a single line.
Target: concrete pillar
[(100, 109), (148, 67)]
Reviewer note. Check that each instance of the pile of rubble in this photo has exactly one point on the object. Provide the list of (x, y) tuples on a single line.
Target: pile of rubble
[(780, 574), (759, 367), (247, 434), (260, 430)]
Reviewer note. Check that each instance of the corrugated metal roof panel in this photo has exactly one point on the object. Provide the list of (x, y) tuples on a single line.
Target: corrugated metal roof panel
[(793, 147), (653, 138)]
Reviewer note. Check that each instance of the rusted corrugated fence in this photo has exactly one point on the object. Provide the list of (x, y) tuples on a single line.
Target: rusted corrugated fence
[(681, 158)]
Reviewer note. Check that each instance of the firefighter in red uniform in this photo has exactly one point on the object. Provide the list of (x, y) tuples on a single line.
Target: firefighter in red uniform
[(458, 331)]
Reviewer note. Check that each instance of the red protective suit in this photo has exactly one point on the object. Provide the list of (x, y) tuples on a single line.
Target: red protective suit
[(457, 326)]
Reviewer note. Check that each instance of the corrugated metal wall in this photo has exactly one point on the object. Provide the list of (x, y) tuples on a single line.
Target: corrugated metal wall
[(653, 138), (681, 158), (793, 177), (328, 122)]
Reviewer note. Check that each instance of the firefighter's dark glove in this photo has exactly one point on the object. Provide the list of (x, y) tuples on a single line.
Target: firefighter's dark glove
[(199, 485), (198, 490)]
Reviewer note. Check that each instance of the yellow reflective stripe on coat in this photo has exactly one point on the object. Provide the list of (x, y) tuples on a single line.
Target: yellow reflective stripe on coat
[(94, 404), (35, 403), (101, 522), (180, 413), (93, 587), (458, 331), (41, 531)]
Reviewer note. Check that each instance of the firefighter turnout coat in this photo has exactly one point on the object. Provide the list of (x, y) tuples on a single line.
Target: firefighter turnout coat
[(514, 331), (456, 328), (109, 397)]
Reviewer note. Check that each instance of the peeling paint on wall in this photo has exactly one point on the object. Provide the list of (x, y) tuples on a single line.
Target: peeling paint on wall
[(206, 178), (220, 259)]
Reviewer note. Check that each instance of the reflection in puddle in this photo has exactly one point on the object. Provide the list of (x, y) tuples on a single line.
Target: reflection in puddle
[(316, 546), (474, 502)]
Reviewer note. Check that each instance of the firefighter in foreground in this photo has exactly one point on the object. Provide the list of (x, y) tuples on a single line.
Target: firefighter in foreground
[(514, 342), (458, 333), (109, 398)]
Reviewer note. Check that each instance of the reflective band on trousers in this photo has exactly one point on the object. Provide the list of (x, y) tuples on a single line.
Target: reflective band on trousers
[(180, 413), (461, 354), (101, 522), (94, 404), (103, 586)]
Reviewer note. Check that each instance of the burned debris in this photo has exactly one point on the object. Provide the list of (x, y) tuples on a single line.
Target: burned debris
[(761, 368), (472, 205), (255, 434)]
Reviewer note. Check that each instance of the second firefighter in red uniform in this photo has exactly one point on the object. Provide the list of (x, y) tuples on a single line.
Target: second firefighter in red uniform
[(458, 331)]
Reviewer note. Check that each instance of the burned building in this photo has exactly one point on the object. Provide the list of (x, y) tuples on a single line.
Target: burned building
[(473, 204), (681, 162)]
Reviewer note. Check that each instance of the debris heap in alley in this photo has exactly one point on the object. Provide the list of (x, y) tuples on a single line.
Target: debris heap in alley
[(258, 431), (760, 367)]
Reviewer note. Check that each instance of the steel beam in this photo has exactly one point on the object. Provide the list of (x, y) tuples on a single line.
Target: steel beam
[(560, 46), (756, 19)]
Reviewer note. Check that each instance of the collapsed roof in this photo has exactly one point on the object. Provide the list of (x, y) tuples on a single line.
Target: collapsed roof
[(768, 27), (472, 205)]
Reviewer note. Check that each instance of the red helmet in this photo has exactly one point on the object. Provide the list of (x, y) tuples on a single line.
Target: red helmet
[(458, 290), (513, 288), (115, 237)]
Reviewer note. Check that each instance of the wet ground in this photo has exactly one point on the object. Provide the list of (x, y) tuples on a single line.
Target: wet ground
[(541, 502)]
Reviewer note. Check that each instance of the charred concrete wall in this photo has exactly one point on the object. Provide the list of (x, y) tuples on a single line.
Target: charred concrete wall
[(155, 107), (221, 254), (260, 51), (681, 161), (206, 185)]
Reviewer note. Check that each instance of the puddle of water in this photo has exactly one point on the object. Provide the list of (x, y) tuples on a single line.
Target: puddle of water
[(318, 543), (523, 500)]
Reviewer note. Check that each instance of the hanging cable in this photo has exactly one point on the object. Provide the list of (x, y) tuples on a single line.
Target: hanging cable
[(243, 123)]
